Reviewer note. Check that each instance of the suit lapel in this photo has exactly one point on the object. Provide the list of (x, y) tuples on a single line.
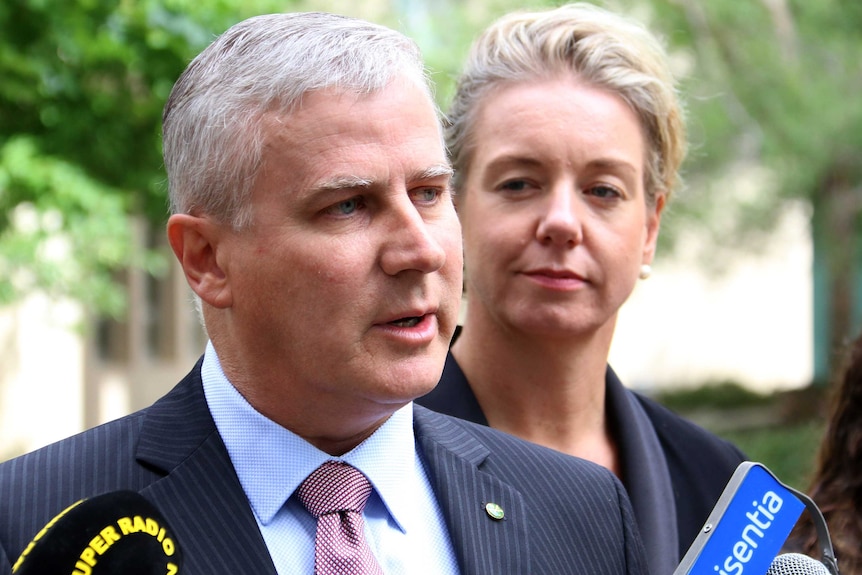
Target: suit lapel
[(200, 494), (202, 499), (454, 457)]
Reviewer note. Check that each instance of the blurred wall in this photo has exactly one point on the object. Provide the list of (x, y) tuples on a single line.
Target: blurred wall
[(752, 323)]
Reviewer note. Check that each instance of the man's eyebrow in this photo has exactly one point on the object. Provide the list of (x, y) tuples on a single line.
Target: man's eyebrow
[(357, 183), (432, 172), (344, 183)]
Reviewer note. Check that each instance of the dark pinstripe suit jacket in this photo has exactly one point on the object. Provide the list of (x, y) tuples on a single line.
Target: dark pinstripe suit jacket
[(698, 462), (562, 515)]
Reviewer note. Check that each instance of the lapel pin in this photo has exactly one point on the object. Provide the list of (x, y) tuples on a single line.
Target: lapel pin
[(494, 511)]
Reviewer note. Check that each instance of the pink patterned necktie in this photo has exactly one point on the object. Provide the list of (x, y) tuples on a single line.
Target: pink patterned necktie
[(335, 493)]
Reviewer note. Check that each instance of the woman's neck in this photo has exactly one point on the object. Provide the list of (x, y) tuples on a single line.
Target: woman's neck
[(550, 391)]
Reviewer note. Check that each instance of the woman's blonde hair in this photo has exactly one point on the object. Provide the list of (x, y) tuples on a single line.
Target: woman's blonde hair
[(600, 47)]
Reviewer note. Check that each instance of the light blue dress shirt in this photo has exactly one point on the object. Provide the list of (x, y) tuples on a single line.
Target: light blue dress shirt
[(403, 522)]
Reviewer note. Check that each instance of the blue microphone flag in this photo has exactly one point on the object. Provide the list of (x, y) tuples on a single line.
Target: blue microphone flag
[(747, 526)]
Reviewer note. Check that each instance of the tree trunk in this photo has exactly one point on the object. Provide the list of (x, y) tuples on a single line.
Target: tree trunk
[(840, 211)]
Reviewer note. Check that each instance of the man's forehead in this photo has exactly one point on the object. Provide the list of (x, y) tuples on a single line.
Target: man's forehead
[(337, 140), (324, 114)]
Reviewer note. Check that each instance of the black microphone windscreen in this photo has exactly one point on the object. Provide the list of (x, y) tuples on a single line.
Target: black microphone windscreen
[(796, 564), (109, 534)]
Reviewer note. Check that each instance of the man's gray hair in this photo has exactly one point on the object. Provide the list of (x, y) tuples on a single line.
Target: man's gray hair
[(212, 122)]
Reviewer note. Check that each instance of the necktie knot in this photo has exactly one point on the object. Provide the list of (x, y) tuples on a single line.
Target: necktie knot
[(335, 493), (334, 487)]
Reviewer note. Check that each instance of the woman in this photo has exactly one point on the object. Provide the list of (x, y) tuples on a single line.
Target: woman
[(837, 483), (566, 137)]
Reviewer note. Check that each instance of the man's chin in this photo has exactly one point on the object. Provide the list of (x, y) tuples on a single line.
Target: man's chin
[(404, 391)]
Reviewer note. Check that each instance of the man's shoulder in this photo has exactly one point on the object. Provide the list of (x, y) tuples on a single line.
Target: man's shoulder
[(576, 512), (113, 456), (104, 450), (89, 452), (505, 454), (37, 485)]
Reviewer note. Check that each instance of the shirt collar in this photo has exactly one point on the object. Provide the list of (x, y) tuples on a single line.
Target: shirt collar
[(271, 461)]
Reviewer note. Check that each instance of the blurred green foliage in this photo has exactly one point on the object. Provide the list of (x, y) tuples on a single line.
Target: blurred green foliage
[(788, 450), (783, 434), (722, 395), (66, 225), (83, 86)]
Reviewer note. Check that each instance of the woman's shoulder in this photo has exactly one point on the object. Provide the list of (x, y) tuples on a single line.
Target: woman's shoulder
[(686, 439)]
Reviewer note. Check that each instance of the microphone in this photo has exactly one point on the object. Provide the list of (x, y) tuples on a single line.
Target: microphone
[(119, 532), (796, 564), (748, 526)]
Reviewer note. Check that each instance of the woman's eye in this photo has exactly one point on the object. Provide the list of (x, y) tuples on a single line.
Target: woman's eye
[(514, 186), (604, 192)]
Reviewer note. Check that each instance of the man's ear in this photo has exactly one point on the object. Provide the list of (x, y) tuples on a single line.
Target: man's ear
[(195, 242)]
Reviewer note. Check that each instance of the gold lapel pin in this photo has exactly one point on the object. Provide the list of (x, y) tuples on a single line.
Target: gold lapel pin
[(494, 511)]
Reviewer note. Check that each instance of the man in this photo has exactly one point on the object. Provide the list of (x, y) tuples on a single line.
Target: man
[(313, 219)]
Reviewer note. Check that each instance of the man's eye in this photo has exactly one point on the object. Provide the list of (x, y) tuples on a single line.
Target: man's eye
[(346, 207), (426, 195)]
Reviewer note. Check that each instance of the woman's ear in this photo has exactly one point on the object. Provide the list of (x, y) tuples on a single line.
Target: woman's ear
[(653, 224), (195, 241)]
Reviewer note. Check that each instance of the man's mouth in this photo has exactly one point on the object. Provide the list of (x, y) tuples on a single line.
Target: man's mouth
[(406, 321)]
